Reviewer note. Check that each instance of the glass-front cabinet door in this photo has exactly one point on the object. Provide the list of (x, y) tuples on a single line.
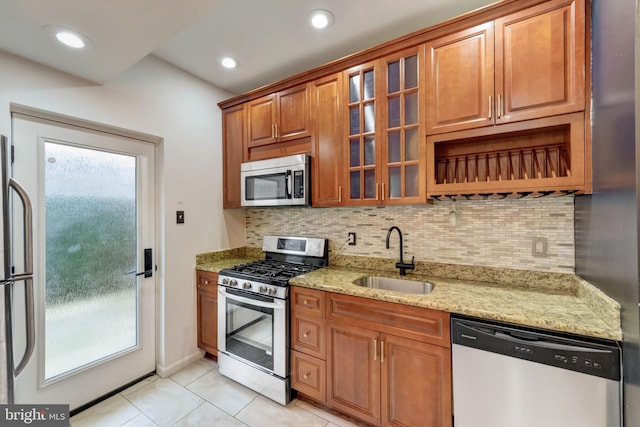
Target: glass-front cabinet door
[(403, 160), (385, 141), (362, 143)]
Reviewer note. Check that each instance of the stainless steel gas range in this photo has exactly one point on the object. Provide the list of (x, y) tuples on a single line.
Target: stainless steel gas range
[(253, 313)]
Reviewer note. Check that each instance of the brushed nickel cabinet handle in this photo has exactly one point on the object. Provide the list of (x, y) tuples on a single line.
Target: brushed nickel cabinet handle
[(339, 194), (375, 349), (383, 191), (382, 351), (499, 106), (306, 334), (307, 375), (377, 194)]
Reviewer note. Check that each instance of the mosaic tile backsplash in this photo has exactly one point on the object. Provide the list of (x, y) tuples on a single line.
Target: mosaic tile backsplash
[(493, 232)]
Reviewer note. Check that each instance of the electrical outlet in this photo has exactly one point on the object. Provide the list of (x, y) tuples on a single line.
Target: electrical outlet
[(351, 238), (539, 247)]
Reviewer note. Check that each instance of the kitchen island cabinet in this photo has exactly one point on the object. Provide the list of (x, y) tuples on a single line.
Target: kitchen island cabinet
[(207, 288)]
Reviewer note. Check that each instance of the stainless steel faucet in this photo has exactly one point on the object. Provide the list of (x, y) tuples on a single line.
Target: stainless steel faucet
[(401, 265)]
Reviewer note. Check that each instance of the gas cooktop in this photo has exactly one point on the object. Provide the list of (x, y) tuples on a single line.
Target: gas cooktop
[(273, 272)]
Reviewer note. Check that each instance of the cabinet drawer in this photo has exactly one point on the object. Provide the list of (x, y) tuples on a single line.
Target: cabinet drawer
[(308, 376), (307, 302), (207, 278), (308, 336), (420, 324)]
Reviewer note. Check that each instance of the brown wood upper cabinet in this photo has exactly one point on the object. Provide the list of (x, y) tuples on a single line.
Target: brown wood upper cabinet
[(525, 65), (384, 150), (279, 117), (326, 106), (233, 147)]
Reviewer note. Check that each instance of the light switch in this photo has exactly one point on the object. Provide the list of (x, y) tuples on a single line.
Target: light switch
[(179, 217)]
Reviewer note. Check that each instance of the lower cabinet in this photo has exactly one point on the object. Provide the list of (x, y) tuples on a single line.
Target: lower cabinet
[(386, 364), (207, 286)]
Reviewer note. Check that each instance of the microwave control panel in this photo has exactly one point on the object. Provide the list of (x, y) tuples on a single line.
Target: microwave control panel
[(298, 184)]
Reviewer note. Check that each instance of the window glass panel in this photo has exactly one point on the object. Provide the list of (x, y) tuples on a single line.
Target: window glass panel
[(393, 77), (369, 117), (370, 184), (411, 181), (354, 88), (394, 147), (354, 120), (91, 302), (395, 183), (369, 85), (394, 112), (411, 72), (369, 150), (354, 181), (354, 152), (411, 144), (411, 108)]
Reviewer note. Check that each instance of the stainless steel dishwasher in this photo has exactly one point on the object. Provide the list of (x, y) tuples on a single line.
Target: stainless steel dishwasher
[(506, 376)]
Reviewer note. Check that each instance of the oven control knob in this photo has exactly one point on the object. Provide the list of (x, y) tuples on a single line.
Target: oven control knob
[(246, 285), (262, 289), (225, 281), (272, 291), (233, 282)]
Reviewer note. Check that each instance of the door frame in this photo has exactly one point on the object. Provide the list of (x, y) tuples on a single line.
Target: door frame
[(36, 114)]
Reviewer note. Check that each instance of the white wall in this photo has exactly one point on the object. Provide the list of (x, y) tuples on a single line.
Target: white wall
[(159, 99)]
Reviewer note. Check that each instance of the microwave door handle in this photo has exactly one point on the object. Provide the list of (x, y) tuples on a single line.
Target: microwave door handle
[(287, 184)]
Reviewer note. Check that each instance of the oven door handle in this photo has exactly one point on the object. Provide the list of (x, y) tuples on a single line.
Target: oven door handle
[(222, 292)]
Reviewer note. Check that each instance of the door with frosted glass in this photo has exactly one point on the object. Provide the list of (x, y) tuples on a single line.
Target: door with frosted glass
[(93, 220)]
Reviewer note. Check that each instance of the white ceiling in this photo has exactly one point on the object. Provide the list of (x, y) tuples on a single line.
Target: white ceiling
[(270, 38)]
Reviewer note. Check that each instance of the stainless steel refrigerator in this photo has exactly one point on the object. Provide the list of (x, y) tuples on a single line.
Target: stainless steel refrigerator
[(17, 272), (607, 222)]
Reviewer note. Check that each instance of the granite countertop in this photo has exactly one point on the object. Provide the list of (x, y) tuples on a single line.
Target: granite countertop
[(552, 301)]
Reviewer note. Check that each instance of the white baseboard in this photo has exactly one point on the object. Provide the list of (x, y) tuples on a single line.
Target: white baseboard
[(165, 371)]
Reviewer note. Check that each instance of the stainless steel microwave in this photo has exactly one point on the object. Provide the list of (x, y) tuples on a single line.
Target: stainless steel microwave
[(283, 181)]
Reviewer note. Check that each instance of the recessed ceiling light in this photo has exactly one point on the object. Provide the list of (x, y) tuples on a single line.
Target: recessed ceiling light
[(67, 37), (320, 18), (70, 39), (228, 62)]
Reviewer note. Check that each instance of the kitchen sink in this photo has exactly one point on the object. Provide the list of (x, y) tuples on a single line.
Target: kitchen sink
[(397, 285)]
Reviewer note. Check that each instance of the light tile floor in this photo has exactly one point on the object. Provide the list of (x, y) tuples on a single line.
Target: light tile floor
[(199, 396)]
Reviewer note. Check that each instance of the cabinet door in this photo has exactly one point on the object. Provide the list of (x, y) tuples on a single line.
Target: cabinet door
[(353, 378), (403, 161), (361, 146), (208, 312), (416, 383), (233, 146), (261, 121), (540, 61), (293, 115), (327, 162), (460, 79)]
